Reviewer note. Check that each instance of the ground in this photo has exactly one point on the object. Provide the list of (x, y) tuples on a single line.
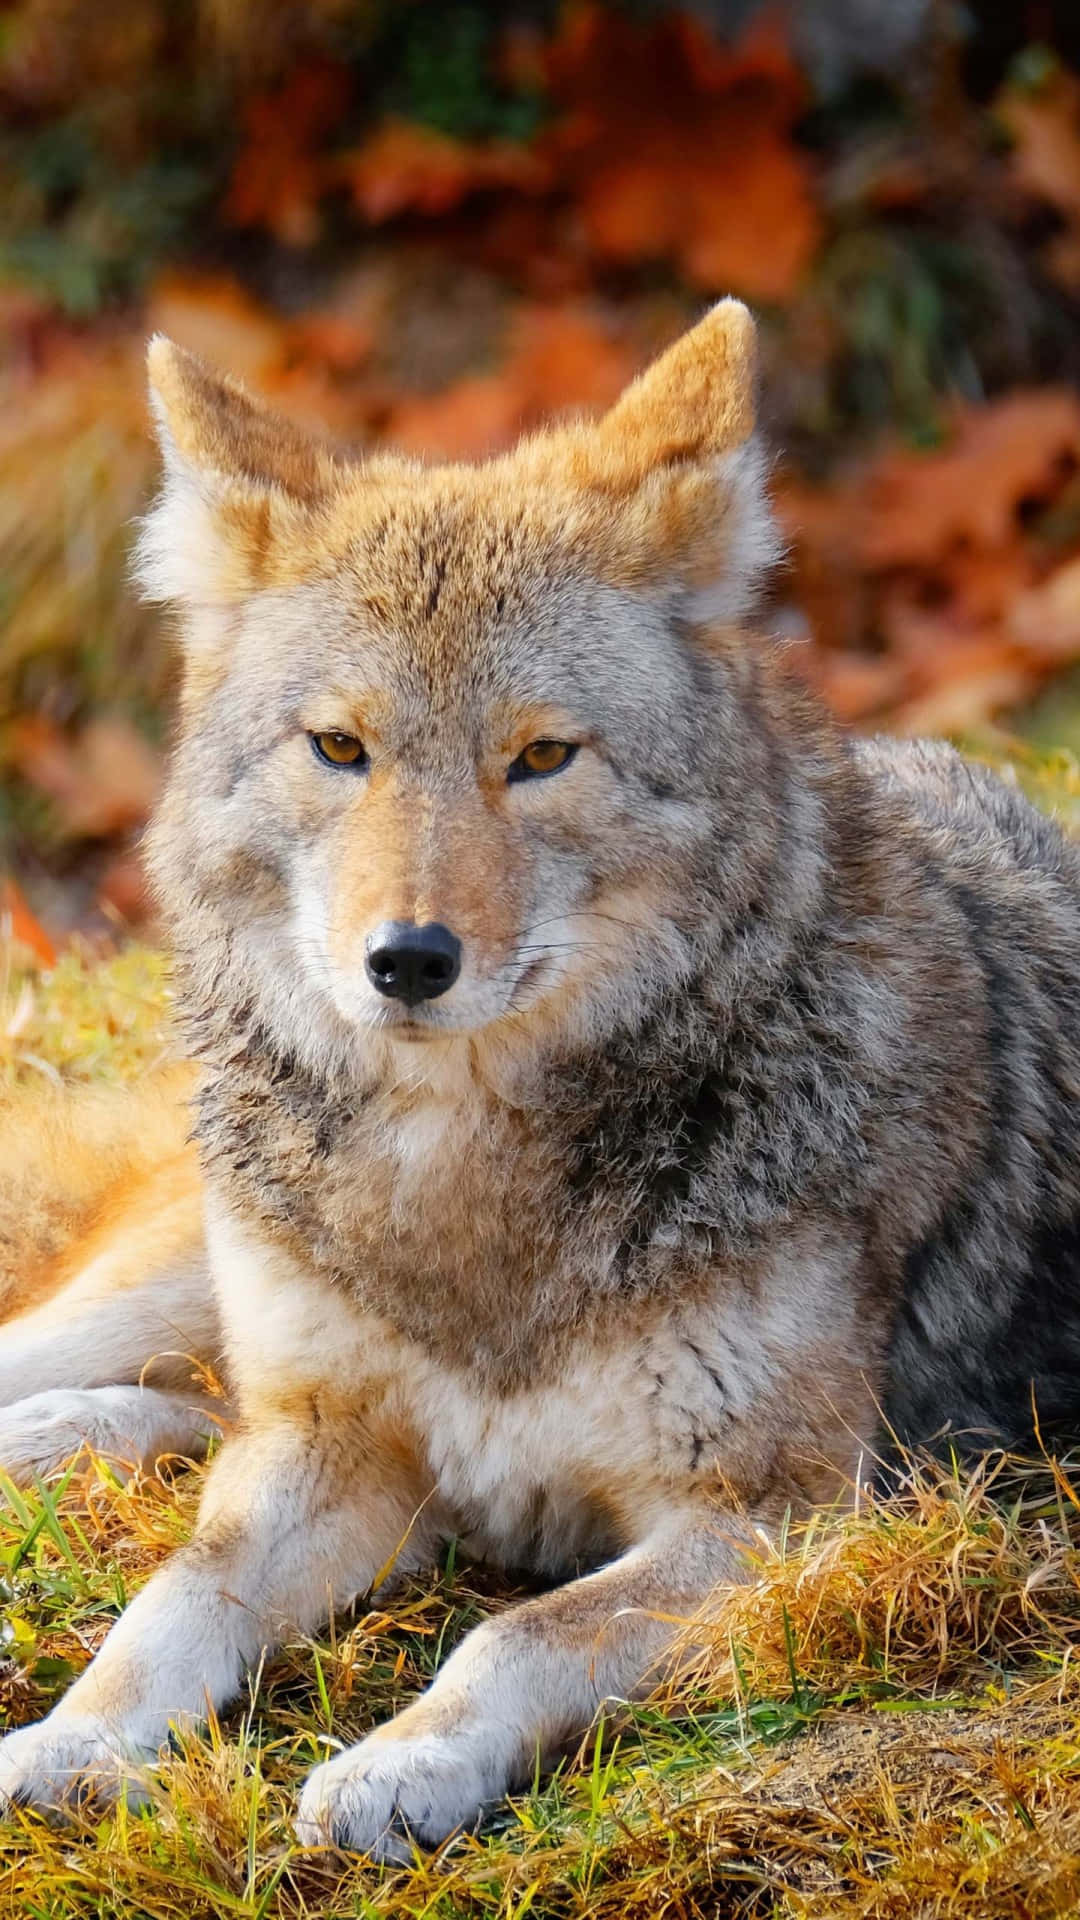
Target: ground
[(886, 1722)]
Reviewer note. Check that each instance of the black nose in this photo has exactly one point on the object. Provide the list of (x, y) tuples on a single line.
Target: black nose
[(412, 963)]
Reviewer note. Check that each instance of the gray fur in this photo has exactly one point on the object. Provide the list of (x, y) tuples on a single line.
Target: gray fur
[(874, 1030)]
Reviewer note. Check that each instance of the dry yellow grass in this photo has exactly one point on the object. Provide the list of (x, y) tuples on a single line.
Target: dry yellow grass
[(87, 1020), (884, 1723)]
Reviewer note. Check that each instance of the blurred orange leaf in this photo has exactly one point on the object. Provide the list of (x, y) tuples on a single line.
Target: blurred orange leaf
[(103, 780), (281, 172), (23, 927), (479, 414), (404, 168), (856, 684), (678, 148), (337, 340), (964, 684), (984, 582), (218, 319), (1047, 618), (569, 358), (560, 359), (928, 558), (918, 506)]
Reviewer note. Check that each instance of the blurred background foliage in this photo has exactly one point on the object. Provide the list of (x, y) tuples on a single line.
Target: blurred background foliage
[(436, 224)]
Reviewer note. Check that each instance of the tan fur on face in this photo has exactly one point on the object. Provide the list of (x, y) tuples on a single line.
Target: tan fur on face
[(406, 857), (257, 532)]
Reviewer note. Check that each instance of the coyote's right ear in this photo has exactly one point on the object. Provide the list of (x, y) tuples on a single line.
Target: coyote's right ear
[(236, 474)]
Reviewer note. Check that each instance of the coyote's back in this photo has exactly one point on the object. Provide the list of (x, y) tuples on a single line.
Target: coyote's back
[(987, 1338)]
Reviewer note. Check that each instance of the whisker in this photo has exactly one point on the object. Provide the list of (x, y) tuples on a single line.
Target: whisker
[(589, 913), (559, 946)]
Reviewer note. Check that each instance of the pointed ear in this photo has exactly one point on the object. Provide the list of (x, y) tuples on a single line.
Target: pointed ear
[(236, 474), (678, 452), (697, 400)]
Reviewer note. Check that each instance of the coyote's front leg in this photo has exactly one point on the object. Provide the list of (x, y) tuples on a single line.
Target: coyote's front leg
[(283, 1537), (521, 1686)]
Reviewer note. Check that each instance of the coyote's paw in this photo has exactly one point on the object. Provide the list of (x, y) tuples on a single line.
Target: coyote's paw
[(39, 1434), (129, 1426), (66, 1762), (394, 1789)]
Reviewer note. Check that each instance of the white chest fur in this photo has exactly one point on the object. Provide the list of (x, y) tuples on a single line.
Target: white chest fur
[(554, 1472), (561, 1471)]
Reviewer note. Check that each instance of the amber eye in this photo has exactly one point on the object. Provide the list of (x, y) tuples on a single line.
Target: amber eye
[(540, 758), (340, 749)]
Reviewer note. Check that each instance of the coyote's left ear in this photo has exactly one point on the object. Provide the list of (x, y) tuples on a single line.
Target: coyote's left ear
[(678, 451), (236, 474)]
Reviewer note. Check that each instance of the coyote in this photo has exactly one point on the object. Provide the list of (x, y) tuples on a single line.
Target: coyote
[(622, 1101)]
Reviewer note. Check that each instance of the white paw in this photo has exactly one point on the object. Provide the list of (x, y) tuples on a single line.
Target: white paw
[(39, 1434), (395, 1789), (65, 1761), (130, 1426)]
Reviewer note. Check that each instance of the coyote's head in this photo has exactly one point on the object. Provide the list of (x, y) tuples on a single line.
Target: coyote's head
[(462, 749)]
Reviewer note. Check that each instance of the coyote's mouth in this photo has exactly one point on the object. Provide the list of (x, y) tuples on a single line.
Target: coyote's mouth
[(416, 1030)]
